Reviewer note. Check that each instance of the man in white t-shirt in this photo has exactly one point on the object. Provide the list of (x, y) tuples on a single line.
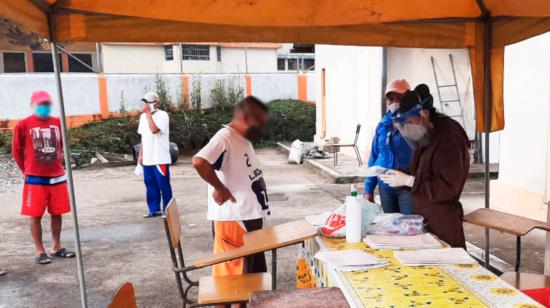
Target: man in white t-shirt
[(237, 196), (154, 154)]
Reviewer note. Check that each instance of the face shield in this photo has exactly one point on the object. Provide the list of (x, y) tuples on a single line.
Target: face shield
[(409, 125)]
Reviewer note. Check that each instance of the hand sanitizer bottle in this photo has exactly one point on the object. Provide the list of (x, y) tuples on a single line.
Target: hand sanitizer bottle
[(353, 217)]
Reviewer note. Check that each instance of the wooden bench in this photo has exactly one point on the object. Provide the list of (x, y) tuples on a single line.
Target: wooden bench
[(506, 223)]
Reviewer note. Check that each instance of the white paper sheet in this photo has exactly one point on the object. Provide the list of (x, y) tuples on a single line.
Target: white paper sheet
[(444, 256), (350, 260), (423, 241)]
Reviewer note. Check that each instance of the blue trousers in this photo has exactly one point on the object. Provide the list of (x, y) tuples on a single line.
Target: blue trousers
[(396, 201), (157, 183)]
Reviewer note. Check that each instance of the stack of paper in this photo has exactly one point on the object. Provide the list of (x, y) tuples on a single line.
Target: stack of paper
[(443, 256), (350, 260), (423, 241)]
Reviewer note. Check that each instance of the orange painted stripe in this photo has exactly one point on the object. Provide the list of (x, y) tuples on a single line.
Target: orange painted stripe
[(302, 87), (103, 99), (64, 63), (185, 91), (30, 62), (323, 105), (248, 80)]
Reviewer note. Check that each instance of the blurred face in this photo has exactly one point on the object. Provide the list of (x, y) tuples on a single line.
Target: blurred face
[(254, 119), (392, 101)]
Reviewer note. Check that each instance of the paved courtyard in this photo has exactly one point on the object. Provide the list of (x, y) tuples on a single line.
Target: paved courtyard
[(118, 245)]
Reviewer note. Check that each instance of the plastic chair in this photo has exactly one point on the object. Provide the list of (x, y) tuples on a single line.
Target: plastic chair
[(124, 297)]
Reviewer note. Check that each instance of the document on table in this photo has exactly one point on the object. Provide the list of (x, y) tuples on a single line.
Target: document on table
[(423, 241), (350, 260), (444, 256)]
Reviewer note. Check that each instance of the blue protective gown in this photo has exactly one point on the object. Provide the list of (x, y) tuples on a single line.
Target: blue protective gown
[(389, 150)]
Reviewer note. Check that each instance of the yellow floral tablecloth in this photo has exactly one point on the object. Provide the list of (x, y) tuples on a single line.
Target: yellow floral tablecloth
[(397, 285)]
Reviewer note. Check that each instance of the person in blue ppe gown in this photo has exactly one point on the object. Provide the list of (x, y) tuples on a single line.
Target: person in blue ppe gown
[(389, 150)]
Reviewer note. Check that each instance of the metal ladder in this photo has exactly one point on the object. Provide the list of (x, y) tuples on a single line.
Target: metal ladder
[(447, 103)]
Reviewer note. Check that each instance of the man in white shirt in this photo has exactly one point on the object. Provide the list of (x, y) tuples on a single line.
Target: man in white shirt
[(237, 196), (154, 154)]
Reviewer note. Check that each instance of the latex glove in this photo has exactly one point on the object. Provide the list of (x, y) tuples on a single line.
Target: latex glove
[(396, 178)]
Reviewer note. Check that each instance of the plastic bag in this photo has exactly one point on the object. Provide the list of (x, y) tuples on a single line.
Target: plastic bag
[(296, 154), (335, 224), (396, 224), (139, 170)]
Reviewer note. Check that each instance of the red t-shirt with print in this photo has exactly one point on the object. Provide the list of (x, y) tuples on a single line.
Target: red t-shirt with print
[(37, 146)]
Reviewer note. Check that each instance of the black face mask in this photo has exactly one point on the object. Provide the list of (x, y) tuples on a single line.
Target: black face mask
[(254, 133)]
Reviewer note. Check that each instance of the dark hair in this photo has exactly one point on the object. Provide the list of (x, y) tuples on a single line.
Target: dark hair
[(253, 100), (419, 94)]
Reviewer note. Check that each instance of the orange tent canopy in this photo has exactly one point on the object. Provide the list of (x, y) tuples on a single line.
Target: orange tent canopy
[(401, 23)]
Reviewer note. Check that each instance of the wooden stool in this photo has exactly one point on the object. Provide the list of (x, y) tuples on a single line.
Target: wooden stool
[(316, 297), (507, 223)]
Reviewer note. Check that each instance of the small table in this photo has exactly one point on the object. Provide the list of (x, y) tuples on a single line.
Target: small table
[(467, 285), (507, 223), (270, 238)]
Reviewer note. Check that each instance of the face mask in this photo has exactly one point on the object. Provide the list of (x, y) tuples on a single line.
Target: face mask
[(152, 106), (415, 132), (392, 107), (253, 133), (42, 111)]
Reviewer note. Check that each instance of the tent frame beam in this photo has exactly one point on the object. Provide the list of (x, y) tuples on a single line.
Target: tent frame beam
[(487, 84), (67, 158)]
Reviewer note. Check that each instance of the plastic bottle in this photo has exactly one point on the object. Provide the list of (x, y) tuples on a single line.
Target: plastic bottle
[(353, 217)]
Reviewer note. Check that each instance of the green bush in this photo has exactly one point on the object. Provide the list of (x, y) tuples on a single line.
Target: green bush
[(116, 135), (289, 120), (225, 94), (5, 142), (191, 130)]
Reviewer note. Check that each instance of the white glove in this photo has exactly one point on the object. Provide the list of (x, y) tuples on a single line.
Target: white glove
[(396, 178)]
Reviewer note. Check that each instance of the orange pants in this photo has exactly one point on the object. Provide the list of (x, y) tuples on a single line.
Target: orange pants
[(228, 235)]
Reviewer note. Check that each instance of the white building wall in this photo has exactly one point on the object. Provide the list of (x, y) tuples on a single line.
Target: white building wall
[(523, 185), (118, 58), (260, 60), (81, 93), (353, 91), (150, 59)]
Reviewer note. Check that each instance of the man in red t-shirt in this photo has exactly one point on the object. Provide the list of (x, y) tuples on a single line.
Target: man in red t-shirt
[(37, 149)]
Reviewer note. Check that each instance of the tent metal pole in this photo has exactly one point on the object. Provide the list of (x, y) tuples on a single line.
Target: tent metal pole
[(487, 124), (68, 168)]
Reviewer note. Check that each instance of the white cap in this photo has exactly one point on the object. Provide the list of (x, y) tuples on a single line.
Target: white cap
[(151, 97)]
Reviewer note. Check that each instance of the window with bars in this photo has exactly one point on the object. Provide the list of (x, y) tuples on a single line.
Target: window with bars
[(42, 62), (281, 64), (196, 52), (219, 53), (14, 62), (169, 52), (292, 64), (75, 66), (309, 64)]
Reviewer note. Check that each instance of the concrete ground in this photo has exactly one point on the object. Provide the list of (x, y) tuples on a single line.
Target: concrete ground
[(118, 245)]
